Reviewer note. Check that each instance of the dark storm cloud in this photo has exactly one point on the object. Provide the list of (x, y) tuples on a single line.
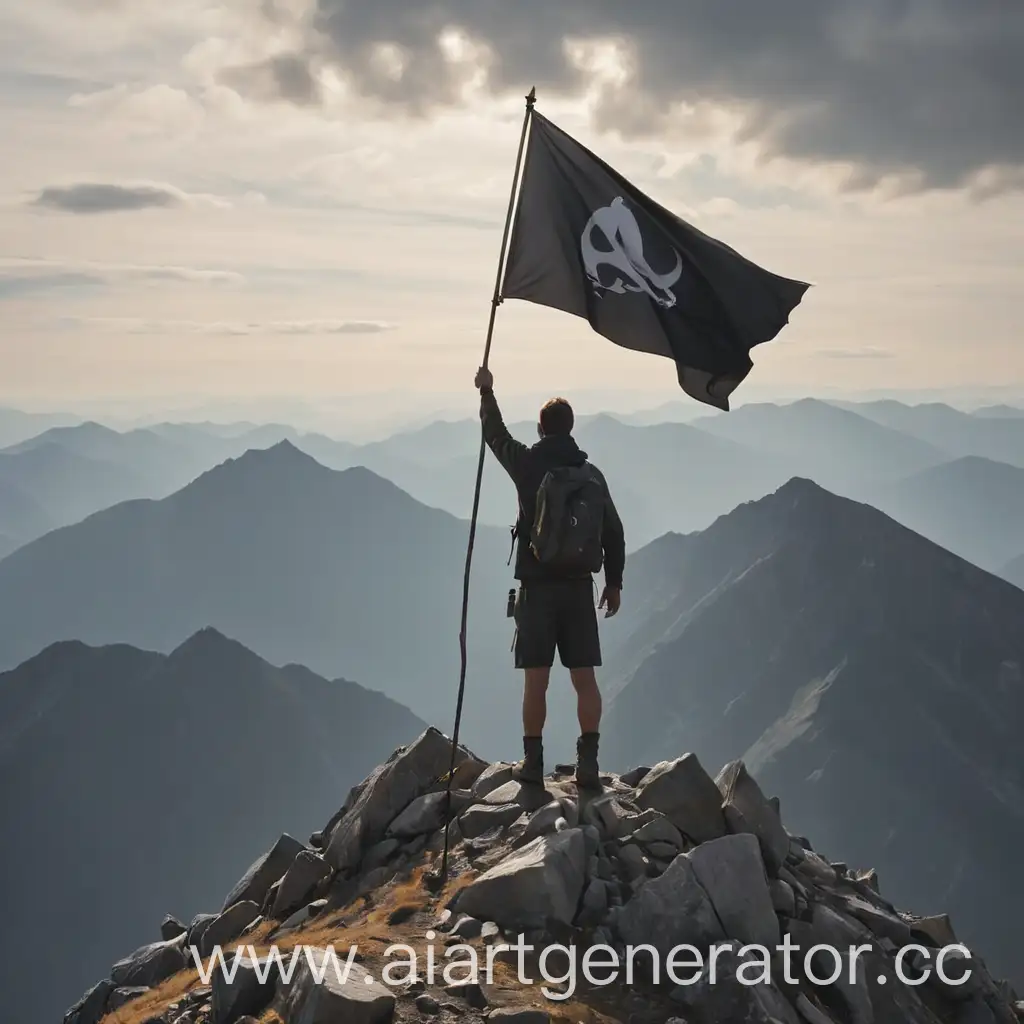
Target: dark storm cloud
[(87, 197), (933, 89), (286, 76)]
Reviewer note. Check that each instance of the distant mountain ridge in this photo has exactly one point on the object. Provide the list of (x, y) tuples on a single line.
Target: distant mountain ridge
[(856, 664), (117, 767)]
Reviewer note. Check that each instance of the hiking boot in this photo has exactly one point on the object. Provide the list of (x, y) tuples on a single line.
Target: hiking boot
[(587, 776), (531, 768)]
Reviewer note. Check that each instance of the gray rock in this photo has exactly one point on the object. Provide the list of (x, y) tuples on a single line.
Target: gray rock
[(493, 776), (379, 854), (469, 992), (783, 897), (669, 911), (881, 922), (732, 873), (542, 880), (427, 1004), (747, 810), (171, 928), (262, 874), (92, 1006), (817, 869), (307, 871), (293, 921), (513, 1015), (934, 931), (467, 773), (608, 816), (408, 773), (425, 814), (663, 851), (489, 930), (228, 926), (811, 1013), (594, 907), (481, 818), (122, 996), (304, 1001), (240, 991), (467, 927), (633, 861), (543, 820), (149, 965), (730, 998), (508, 793), (196, 929), (633, 777), (659, 830), (686, 795)]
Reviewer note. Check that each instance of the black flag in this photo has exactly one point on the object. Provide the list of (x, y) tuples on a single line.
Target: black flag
[(588, 242)]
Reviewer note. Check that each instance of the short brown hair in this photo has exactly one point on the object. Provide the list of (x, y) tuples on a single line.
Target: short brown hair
[(556, 417)]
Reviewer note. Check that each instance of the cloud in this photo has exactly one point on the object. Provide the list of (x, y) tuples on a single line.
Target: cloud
[(24, 276), (241, 328), (930, 93), (95, 197), (868, 352), (285, 76)]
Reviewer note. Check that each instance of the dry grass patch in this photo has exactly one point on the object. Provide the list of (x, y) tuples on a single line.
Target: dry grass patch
[(152, 1003)]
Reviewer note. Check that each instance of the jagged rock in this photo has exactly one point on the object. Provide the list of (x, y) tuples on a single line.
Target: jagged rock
[(467, 772), (747, 810), (671, 910), (469, 992), (634, 776), (542, 879), (543, 821), (482, 818), (608, 816), (293, 921), (633, 861), (407, 774), (879, 921), (507, 793), (245, 987), (730, 998), (659, 830), (493, 776), (379, 854), (263, 873), (732, 873), (686, 795), (868, 878), (92, 1006), (122, 996), (467, 927), (512, 1015), (307, 871), (149, 965), (662, 851), (783, 897), (304, 1001), (425, 814), (933, 931), (817, 869), (810, 1013), (228, 926), (171, 928), (595, 904), (196, 929)]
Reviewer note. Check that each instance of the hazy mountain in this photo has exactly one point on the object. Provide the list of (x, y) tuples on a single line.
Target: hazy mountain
[(21, 517), (135, 784), (972, 506), (831, 445), (341, 571), (859, 666), (999, 437), (1014, 571), (1000, 412), (16, 425)]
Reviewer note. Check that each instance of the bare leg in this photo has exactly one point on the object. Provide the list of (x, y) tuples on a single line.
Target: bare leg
[(588, 699), (535, 700)]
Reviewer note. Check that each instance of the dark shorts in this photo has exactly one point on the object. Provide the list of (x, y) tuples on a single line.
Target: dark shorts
[(560, 615)]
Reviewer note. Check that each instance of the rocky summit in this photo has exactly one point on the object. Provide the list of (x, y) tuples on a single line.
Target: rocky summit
[(664, 856)]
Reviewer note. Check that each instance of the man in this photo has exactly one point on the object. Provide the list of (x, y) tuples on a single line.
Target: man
[(554, 607)]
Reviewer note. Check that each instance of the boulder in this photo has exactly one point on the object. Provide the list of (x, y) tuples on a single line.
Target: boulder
[(783, 897), (171, 928), (305, 1000), (481, 818), (543, 821), (746, 809), (425, 814), (407, 774), (379, 854), (507, 793), (633, 777), (149, 965), (882, 923), (245, 987), (686, 795), (196, 929), (671, 910), (731, 872), (307, 871), (92, 1006), (493, 776), (262, 874), (542, 880), (122, 996), (633, 861), (228, 926), (659, 830), (933, 931)]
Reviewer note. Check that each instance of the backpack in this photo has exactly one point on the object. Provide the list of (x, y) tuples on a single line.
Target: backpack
[(568, 519)]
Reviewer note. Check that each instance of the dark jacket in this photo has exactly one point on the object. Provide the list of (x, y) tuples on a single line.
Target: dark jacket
[(527, 466)]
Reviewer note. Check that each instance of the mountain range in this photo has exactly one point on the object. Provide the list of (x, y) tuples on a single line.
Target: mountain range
[(117, 765), (854, 664)]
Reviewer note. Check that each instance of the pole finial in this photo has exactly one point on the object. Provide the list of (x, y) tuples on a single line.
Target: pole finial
[(531, 97)]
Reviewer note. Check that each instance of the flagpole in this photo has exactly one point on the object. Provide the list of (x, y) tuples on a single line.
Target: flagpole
[(495, 302)]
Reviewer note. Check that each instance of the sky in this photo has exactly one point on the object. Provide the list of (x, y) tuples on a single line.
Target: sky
[(211, 205)]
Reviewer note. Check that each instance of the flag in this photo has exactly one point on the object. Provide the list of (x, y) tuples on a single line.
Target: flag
[(587, 241)]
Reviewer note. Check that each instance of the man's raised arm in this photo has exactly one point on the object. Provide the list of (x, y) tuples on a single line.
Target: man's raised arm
[(508, 451)]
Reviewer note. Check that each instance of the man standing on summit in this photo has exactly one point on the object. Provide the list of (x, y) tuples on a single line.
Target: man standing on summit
[(566, 529)]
